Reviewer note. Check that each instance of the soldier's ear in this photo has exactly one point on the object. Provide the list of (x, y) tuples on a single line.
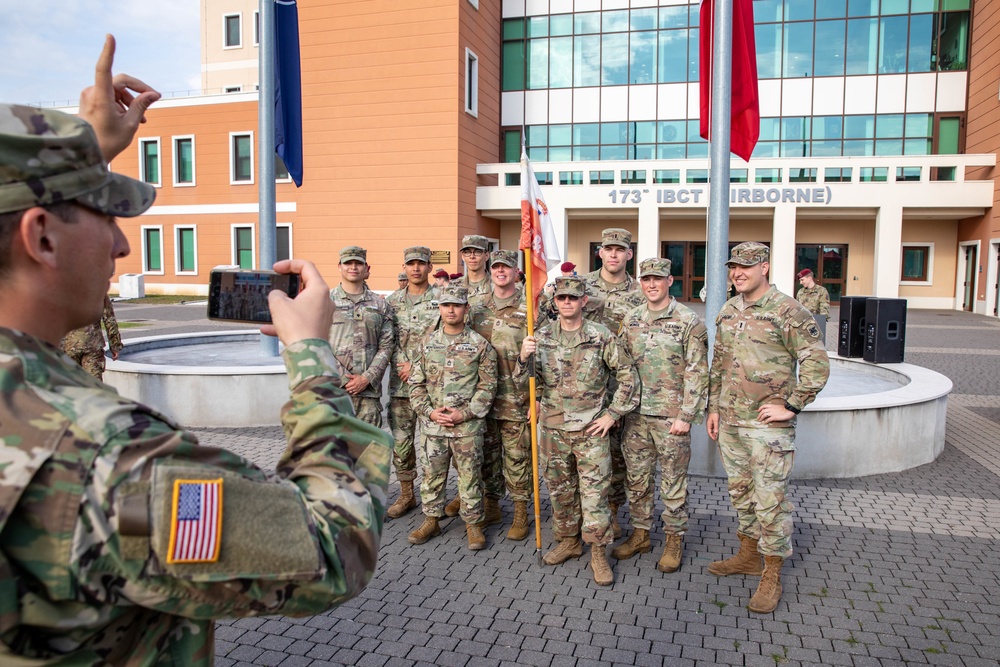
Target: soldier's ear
[(38, 233)]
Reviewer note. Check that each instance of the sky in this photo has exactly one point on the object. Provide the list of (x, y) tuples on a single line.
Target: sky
[(50, 47)]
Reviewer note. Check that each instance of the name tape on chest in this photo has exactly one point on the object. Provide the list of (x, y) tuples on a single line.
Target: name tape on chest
[(196, 521)]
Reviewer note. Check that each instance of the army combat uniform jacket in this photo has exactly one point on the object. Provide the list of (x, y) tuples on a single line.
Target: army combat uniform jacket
[(607, 303), (454, 372), (574, 379), (757, 348), (413, 321), (362, 336), (121, 538), (505, 328), (670, 351), (815, 299), (478, 291), (89, 341)]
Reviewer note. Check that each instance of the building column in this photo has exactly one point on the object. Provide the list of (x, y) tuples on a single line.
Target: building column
[(648, 240), (782, 270), (888, 251)]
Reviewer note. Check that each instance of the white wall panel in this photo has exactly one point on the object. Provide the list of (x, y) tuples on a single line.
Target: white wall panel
[(560, 6), (512, 108), (951, 91), (796, 97), (859, 95), (588, 5), (920, 92), (642, 103), (561, 105), (614, 103), (536, 107), (694, 100), (615, 4), (769, 91), (586, 105), (671, 101), (828, 96), (891, 94), (513, 8), (536, 7)]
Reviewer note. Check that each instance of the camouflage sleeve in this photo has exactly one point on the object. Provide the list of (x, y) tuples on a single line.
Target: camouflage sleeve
[(486, 387), (824, 302), (111, 326), (803, 341), (719, 354), (626, 397), (520, 375), (695, 373), (296, 541), (420, 400), (386, 345)]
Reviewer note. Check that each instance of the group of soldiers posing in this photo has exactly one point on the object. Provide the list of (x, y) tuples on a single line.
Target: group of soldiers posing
[(622, 371)]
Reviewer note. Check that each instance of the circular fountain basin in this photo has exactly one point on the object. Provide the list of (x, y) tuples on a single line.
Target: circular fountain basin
[(203, 379), (869, 419)]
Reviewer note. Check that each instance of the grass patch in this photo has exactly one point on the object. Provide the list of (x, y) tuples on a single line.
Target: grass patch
[(132, 325), (154, 299), (822, 593), (720, 604)]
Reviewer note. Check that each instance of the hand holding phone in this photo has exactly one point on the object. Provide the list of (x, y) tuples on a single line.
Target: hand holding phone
[(309, 314), (241, 296)]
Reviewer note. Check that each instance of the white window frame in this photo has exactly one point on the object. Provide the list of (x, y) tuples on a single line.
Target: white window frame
[(177, 164), (232, 158), (471, 100), (142, 240), (239, 16), (291, 249), (281, 180), (177, 250), (253, 242), (474, 3), (256, 27), (930, 263), (159, 160)]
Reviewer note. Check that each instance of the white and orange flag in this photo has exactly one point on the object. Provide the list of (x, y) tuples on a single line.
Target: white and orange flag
[(537, 233)]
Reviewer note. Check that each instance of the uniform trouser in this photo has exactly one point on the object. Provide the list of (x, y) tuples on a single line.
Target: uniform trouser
[(435, 455), (758, 462), (402, 423), (507, 458), (647, 440), (368, 409), (577, 470), (616, 491), (92, 361)]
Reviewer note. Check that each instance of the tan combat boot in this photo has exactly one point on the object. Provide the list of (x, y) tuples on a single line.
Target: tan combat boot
[(746, 561), (404, 503), (454, 507), (519, 529), (615, 528), (491, 512), (673, 548), (603, 576), (765, 600), (428, 529), (477, 541), (637, 543), (566, 549)]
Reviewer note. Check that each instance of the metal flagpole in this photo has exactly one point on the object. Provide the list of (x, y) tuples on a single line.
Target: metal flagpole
[(717, 251), (267, 216), (532, 412)]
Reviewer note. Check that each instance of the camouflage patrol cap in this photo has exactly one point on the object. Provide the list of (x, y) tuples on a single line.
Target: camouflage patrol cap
[(454, 293), (353, 253), (417, 252), (475, 241), (615, 236), (570, 285), (505, 257), (655, 266), (48, 157), (402, 276), (748, 254)]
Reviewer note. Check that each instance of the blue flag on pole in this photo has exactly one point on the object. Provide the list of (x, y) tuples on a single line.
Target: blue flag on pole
[(288, 89)]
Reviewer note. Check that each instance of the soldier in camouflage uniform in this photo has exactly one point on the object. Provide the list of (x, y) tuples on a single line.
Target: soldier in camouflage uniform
[(669, 344), (452, 387), (85, 346), (361, 336), (415, 314), (475, 254), (754, 396), (403, 280), (501, 318), (575, 358), (815, 299), (97, 492)]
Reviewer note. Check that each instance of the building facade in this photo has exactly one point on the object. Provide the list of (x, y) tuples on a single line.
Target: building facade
[(875, 166)]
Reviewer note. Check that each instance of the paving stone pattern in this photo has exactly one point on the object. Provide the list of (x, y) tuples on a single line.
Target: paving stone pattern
[(896, 569)]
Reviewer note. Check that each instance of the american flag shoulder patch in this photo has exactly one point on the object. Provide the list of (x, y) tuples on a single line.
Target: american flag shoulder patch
[(196, 521)]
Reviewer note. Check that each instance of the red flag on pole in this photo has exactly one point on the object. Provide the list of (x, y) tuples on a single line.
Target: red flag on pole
[(745, 115), (537, 233)]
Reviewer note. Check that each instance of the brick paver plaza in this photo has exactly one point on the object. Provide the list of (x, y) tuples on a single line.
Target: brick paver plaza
[(893, 569)]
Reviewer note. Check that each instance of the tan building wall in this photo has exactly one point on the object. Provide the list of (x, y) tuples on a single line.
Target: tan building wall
[(225, 67), (944, 236)]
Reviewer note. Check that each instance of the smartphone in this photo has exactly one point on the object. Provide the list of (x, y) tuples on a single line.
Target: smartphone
[(241, 296)]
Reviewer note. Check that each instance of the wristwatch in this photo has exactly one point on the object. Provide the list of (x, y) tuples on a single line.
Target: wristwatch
[(792, 408)]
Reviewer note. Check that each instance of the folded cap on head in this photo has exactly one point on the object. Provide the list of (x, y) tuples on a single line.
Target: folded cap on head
[(505, 257), (618, 237), (749, 253), (49, 157), (570, 286), (655, 266), (353, 253), (454, 293), (417, 252)]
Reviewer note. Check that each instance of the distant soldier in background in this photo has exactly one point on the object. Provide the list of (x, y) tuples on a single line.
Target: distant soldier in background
[(441, 278), (815, 299), (402, 279), (86, 346)]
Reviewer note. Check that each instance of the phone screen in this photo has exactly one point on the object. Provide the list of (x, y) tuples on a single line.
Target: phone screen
[(241, 296)]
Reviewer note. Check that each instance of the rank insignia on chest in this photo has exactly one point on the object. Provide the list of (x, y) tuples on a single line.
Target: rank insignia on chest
[(449, 363), (358, 315), (741, 325), (196, 521)]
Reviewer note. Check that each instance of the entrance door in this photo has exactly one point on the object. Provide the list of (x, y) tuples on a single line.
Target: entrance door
[(828, 264), (969, 288), (687, 266)]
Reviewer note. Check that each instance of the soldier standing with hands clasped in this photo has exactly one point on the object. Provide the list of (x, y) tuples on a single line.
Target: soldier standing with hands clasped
[(754, 396)]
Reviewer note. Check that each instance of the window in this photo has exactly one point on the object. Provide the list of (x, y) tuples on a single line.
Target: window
[(256, 28), (471, 83), (243, 248), (149, 161), (185, 250), (183, 161), (283, 249), (241, 157), (917, 263), (233, 89), (280, 170), (152, 250), (232, 27)]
